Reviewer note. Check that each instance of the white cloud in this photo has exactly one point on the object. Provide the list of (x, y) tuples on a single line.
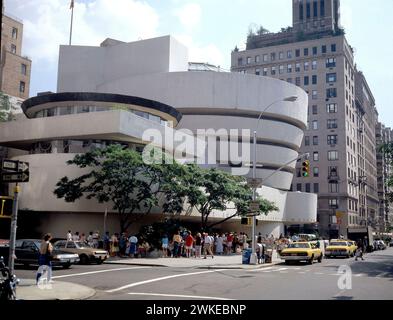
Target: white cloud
[(197, 53), (47, 23), (189, 15), (346, 16)]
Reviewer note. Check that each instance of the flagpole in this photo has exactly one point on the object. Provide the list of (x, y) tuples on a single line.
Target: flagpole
[(72, 18)]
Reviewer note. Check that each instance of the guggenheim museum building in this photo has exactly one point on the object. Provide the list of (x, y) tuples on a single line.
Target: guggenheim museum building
[(118, 91)]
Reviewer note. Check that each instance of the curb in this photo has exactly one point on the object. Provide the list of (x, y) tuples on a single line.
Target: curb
[(135, 264)]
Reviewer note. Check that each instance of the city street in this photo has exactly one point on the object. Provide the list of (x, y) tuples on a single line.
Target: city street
[(371, 279)]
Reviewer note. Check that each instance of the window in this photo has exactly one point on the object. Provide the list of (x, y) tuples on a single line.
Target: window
[(265, 71), (306, 64), (332, 124), (331, 93), (297, 67), (333, 187), (306, 140), (289, 54), (14, 33), (315, 171), (84, 109), (13, 48), (315, 125), (50, 112), (22, 86), (308, 10), (314, 94), (257, 59), (298, 187), (306, 80), (332, 155), (66, 110), (308, 187), (264, 57), (315, 8), (331, 77), (331, 108), (297, 81), (314, 109), (239, 61), (281, 55), (23, 69), (301, 11), (333, 47), (248, 60), (272, 56), (333, 171), (314, 65), (305, 52), (333, 203), (316, 187), (315, 51), (332, 139), (289, 80), (289, 68), (297, 52), (315, 140), (316, 156), (281, 69), (273, 72), (324, 49), (314, 79), (330, 62), (257, 72), (322, 9)]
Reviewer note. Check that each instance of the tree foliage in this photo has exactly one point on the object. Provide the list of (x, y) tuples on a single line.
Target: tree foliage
[(387, 150), (6, 108)]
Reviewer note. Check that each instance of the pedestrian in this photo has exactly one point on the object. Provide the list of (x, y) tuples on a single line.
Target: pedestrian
[(359, 251), (69, 235), (90, 239), (229, 243), (207, 245), (133, 240), (198, 245), (75, 237), (96, 238), (114, 245), (177, 240), (122, 244), (220, 244), (164, 245), (45, 259), (189, 244), (107, 241), (82, 238)]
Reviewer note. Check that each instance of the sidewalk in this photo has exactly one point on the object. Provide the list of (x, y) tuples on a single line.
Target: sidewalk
[(218, 262), (28, 290)]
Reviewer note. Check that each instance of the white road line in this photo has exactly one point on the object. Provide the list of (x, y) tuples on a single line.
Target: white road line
[(176, 295), (160, 279), (99, 271), (319, 273), (302, 272), (261, 269), (333, 274), (359, 275), (280, 269), (382, 275)]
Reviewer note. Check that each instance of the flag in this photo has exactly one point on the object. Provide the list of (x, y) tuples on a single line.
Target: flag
[(72, 4)]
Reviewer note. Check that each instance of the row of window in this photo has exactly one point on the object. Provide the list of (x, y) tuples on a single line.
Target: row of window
[(331, 140), (330, 63), (61, 111), (285, 55), (314, 7)]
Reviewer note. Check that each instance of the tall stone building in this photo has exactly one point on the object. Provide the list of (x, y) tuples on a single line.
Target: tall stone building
[(315, 55), (384, 135), (15, 69)]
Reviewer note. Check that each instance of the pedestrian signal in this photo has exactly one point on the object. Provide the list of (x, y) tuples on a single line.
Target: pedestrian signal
[(306, 168)]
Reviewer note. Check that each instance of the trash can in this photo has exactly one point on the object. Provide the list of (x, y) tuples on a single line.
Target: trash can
[(246, 255)]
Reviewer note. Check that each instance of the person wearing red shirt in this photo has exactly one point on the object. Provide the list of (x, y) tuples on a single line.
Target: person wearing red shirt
[(189, 244)]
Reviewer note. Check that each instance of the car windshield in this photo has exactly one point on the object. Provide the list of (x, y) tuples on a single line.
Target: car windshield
[(38, 243), (82, 245), (342, 243), (299, 245)]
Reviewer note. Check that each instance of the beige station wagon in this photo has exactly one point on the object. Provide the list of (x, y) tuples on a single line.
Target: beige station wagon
[(86, 253)]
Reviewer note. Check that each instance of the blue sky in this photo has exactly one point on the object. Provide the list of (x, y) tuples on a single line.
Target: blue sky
[(210, 28)]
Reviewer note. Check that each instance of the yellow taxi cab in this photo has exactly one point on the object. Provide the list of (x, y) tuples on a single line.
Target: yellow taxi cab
[(301, 251), (340, 248)]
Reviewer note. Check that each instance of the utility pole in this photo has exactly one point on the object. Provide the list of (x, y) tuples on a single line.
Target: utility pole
[(14, 219)]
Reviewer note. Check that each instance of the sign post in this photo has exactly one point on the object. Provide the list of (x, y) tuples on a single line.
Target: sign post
[(14, 219)]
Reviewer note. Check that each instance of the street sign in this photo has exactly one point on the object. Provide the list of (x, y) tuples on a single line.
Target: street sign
[(15, 177), (254, 206), (15, 166), (254, 182), (11, 165)]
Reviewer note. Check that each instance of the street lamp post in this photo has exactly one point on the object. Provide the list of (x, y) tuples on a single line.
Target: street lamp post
[(253, 258)]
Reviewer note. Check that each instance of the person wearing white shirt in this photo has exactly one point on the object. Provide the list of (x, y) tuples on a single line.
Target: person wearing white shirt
[(69, 235)]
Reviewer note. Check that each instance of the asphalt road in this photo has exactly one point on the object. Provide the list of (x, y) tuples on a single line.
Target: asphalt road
[(329, 280)]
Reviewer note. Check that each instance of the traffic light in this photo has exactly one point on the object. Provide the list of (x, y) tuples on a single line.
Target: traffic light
[(306, 168), (248, 221)]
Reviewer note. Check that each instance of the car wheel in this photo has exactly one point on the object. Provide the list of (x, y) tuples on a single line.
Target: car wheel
[(320, 258), (66, 266), (84, 259), (311, 260), (287, 262), (99, 261)]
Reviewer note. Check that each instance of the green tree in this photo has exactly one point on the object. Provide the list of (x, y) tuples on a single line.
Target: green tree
[(119, 176), (387, 150), (212, 189), (6, 108)]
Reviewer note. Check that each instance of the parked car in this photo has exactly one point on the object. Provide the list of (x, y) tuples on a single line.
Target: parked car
[(391, 243), (379, 245), (340, 248), (86, 253), (27, 252), (301, 251)]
